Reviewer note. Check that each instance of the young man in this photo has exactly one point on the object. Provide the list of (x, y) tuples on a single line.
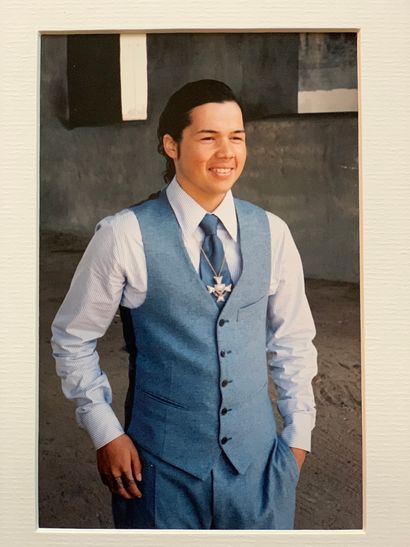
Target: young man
[(206, 284)]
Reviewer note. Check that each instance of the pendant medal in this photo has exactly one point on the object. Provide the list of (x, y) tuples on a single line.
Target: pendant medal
[(219, 289)]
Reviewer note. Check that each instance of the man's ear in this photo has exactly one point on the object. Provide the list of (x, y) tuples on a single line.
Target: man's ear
[(170, 146)]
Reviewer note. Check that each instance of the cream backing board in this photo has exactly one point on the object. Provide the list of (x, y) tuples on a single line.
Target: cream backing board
[(384, 50)]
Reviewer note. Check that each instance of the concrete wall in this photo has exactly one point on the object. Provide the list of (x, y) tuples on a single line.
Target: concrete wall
[(303, 168), (327, 61)]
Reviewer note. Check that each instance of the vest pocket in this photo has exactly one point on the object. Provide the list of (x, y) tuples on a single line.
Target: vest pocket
[(250, 310), (163, 400)]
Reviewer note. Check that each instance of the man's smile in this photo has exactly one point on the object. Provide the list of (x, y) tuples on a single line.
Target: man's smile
[(222, 171)]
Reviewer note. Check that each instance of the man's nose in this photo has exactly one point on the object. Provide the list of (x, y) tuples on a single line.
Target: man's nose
[(225, 150)]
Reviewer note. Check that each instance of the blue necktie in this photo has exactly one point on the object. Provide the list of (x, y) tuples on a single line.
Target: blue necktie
[(213, 249)]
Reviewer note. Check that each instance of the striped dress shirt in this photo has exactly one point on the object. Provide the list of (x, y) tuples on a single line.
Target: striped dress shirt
[(113, 271)]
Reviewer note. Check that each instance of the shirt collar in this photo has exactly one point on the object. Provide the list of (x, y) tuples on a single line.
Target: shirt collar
[(190, 214)]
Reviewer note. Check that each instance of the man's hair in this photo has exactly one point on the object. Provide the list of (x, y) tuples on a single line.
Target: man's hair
[(176, 114)]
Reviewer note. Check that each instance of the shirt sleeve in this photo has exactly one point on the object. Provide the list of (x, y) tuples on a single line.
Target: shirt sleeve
[(83, 317), (292, 357)]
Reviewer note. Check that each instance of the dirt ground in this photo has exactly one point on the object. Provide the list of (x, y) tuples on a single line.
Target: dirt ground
[(330, 487)]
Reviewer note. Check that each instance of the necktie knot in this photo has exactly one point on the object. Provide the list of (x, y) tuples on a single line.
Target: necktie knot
[(209, 224)]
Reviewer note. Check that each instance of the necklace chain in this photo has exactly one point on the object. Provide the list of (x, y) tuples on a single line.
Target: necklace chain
[(210, 265)]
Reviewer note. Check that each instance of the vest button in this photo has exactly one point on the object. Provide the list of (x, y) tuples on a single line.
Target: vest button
[(222, 353), (224, 383), (224, 440), (221, 322), (224, 411)]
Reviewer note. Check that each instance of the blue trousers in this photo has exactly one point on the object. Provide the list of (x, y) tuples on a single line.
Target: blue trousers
[(263, 498)]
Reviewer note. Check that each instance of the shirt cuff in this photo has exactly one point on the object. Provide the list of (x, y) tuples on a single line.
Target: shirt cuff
[(100, 422), (297, 432)]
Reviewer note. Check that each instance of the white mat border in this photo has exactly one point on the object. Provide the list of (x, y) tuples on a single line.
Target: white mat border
[(384, 169)]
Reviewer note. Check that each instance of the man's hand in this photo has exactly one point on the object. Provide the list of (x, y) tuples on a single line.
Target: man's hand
[(120, 467), (300, 456)]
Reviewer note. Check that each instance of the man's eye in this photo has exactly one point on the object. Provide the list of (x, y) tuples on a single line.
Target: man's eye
[(207, 139), (239, 139)]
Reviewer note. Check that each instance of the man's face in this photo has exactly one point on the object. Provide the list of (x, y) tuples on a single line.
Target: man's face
[(212, 152)]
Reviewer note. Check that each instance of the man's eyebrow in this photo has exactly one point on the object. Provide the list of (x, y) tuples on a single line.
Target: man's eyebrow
[(213, 131)]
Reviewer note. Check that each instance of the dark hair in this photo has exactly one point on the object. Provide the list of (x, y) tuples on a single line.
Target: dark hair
[(176, 114)]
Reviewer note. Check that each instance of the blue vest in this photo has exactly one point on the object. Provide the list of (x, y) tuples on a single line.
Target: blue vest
[(198, 375)]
